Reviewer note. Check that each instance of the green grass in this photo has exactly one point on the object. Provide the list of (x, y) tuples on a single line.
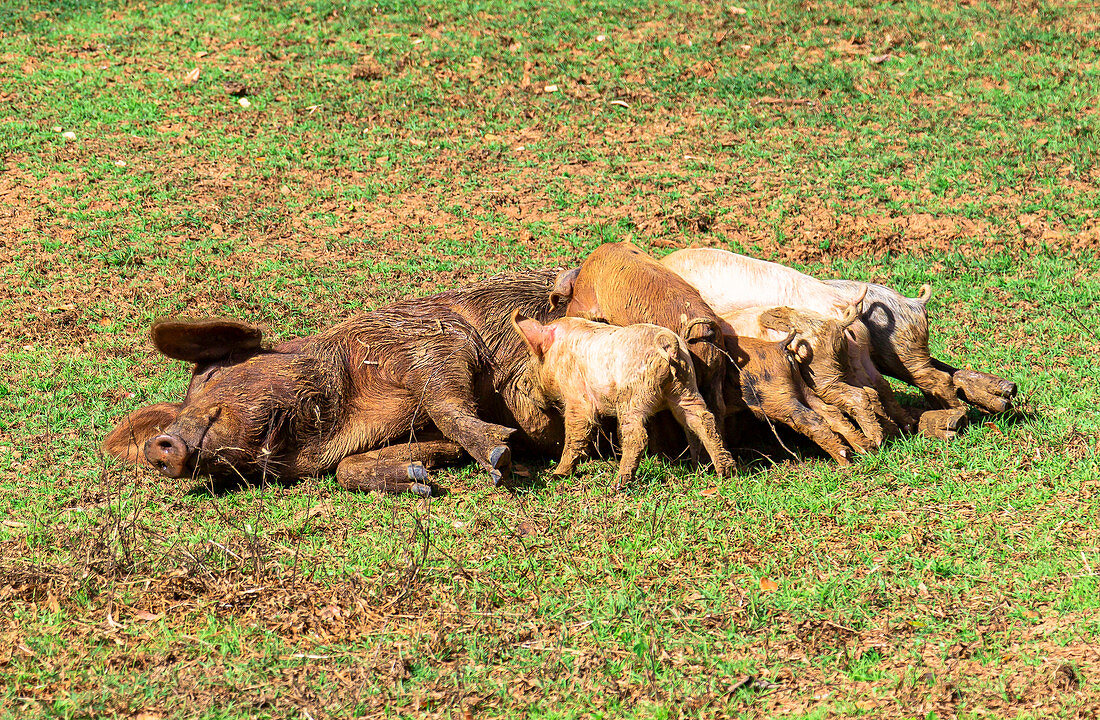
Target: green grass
[(395, 149)]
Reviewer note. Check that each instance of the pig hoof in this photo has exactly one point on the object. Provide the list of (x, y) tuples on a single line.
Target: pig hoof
[(421, 490), (500, 459), (942, 424), (955, 421), (416, 472)]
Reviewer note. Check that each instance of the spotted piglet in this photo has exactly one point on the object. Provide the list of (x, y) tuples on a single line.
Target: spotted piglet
[(633, 372)]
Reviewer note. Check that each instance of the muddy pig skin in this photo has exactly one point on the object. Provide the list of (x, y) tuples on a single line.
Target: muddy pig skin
[(593, 370), (898, 326), (308, 406), (773, 390)]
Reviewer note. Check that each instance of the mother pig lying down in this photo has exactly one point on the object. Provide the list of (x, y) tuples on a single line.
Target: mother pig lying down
[(381, 398)]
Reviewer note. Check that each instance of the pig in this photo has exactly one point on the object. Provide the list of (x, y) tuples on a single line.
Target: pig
[(593, 369), (381, 398), (308, 406), (765, 380), (833, 388), (898, 326), (729, 283), (621, 285)]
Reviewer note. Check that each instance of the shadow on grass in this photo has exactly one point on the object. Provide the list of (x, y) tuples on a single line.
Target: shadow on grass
[(212, 487), (1009, 418)]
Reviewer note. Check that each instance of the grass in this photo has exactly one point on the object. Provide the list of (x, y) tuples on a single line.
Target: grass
[(394, 149)]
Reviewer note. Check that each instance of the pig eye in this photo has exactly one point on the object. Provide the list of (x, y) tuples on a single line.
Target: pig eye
[(205, 377)]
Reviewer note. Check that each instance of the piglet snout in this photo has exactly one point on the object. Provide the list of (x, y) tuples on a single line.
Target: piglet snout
[(168, 454)]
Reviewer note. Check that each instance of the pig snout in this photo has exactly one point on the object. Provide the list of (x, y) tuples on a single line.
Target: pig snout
[(169, 454)]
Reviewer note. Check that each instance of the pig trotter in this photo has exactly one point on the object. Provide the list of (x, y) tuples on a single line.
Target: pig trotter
[(989, 392), (942, 424), (419, 476), (398, 468), (416, 472), (500, 462)]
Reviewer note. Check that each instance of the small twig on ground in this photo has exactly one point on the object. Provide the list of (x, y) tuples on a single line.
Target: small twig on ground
[(1073, 316)]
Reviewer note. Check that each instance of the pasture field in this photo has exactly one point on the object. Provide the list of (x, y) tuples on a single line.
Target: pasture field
[(294, 163)]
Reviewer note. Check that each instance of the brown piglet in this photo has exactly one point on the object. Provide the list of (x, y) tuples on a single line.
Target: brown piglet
[(631, 372)]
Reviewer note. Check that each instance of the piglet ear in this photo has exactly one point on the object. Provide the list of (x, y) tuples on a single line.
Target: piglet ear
[(205, 341), (562, 291), (538, 337), (857, 299)]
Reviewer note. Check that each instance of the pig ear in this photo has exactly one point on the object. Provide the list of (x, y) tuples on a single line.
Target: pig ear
[(127, 440), (563, 287), (538, 337), (857, 301), (788, 345), (205, 341), (778, 319), (701, 328)]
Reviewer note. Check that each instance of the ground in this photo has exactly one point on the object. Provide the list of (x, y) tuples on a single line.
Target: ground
[(292, 164)]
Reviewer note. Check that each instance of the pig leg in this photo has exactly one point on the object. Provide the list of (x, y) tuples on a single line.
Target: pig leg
[(485, 441), (633, 435), (899, 347), (911, 363), (579, 422), (936, 386), (943, 424), (446, 385), (836, 421), (827, 393), (908, 360), (698, 422), (397, 468), (877, 389), (989, 392), (792, 412), (866, 409)]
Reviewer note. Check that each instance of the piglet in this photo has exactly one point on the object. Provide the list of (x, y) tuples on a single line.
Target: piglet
[(834, 384), (631, 372)]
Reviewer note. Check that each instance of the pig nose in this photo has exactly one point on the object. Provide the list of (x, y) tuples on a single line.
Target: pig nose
[(168, 454)]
